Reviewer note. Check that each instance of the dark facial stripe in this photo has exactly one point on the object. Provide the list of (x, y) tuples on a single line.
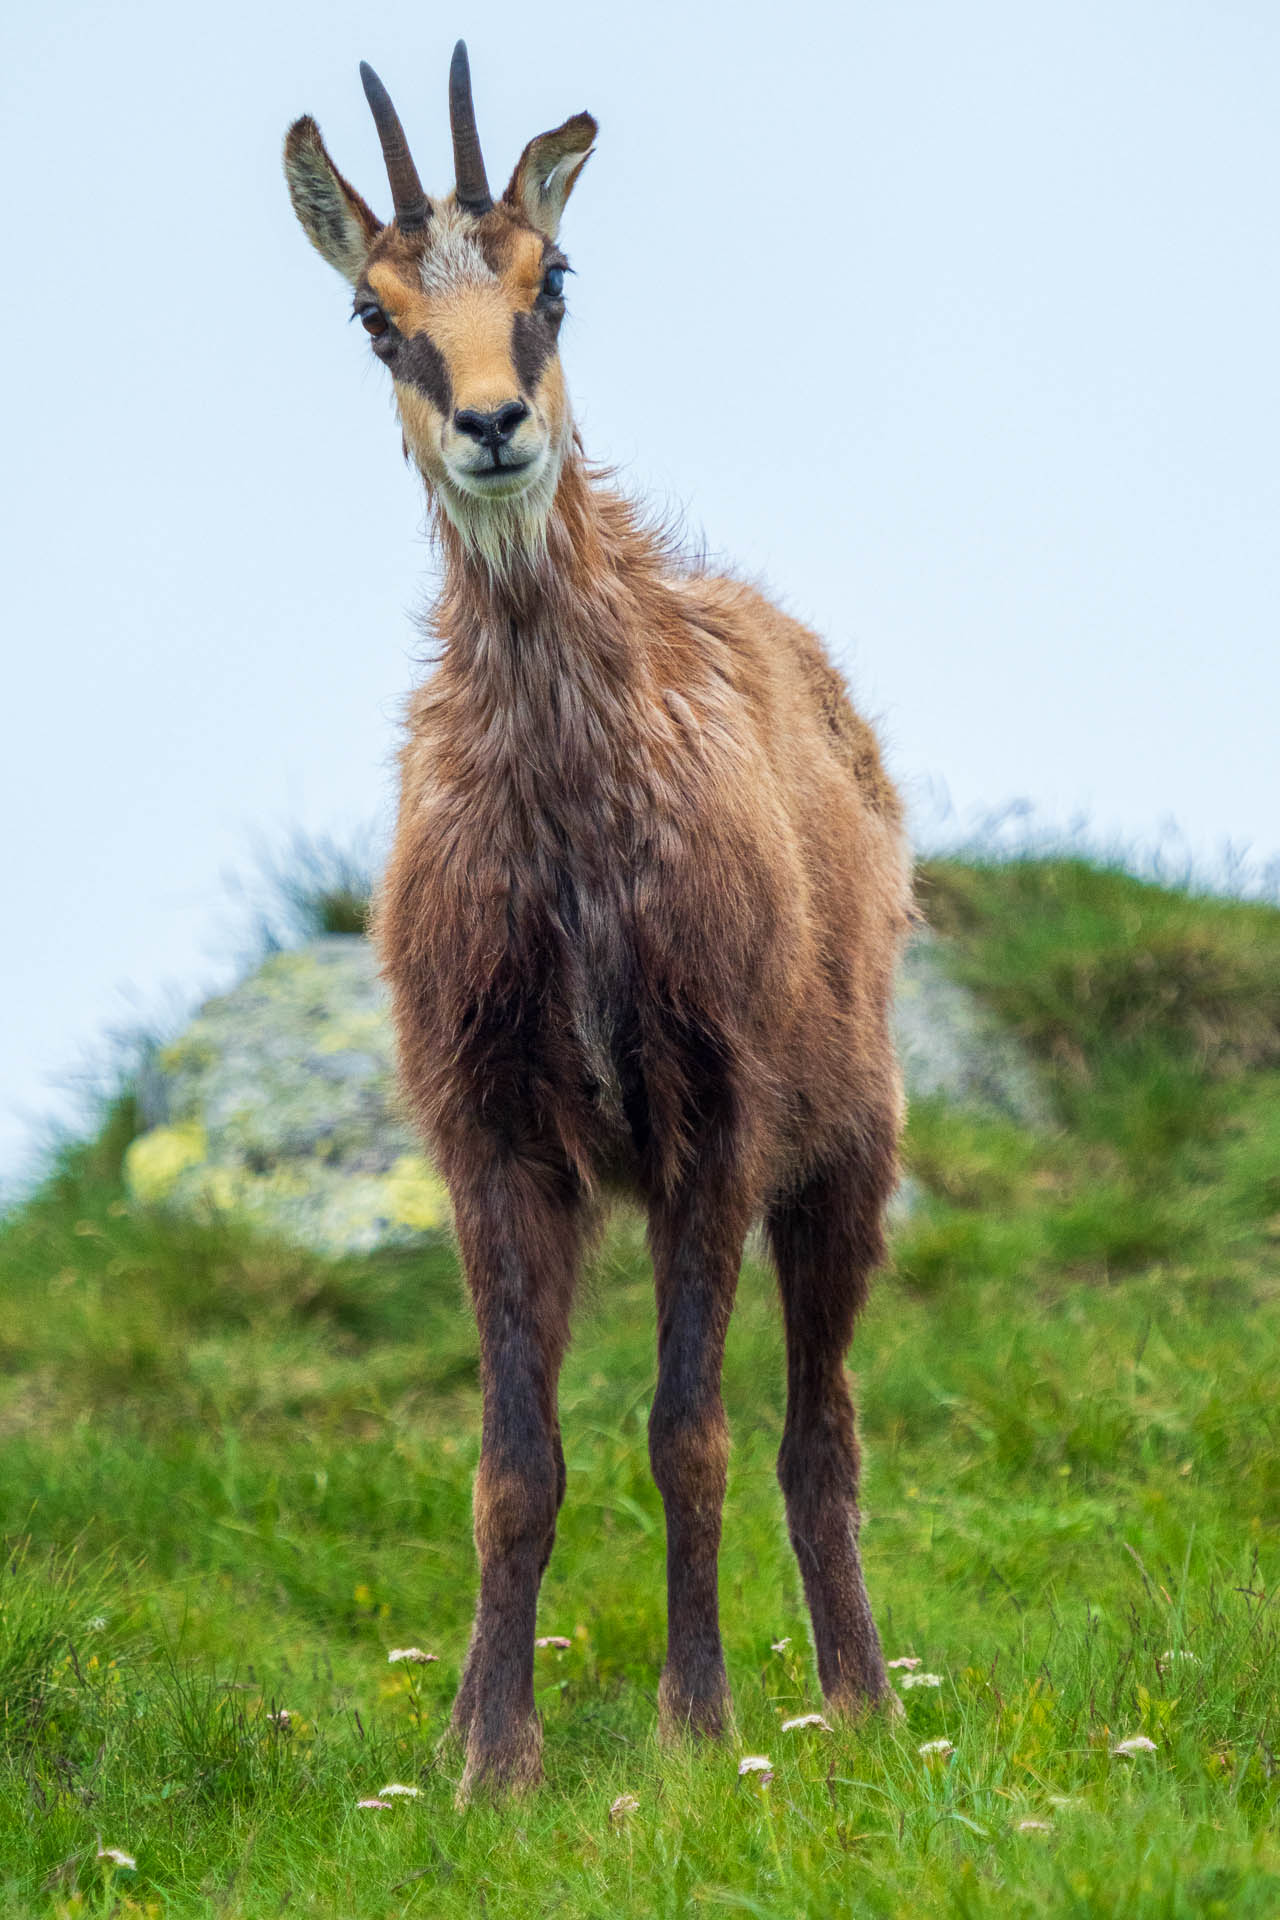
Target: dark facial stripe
[(420, 363), (495, 247), (533, 341)]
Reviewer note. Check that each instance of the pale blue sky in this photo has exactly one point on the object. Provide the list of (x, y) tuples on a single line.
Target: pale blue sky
[(959, 324)]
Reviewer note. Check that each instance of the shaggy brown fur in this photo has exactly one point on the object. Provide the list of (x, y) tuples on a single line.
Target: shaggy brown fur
[(640, 925)]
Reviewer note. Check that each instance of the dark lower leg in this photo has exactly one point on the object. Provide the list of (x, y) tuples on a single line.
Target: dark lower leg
[(697, 1249), (826, 1241), (689, 1449), (520, 1236), (465, 1699), (818, 1469)]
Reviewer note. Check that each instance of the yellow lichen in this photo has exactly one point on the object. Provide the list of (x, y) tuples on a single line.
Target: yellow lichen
[(219, 1189), (191, 1054), (415, 1196), (287, 969), (156, 1161), (356, 1033)]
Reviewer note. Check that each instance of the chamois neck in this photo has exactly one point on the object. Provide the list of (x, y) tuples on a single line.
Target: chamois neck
[(592, 561), (550, 687)]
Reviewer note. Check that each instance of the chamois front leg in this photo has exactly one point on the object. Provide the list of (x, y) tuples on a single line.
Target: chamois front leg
[(520, 1224), (696, 1239)]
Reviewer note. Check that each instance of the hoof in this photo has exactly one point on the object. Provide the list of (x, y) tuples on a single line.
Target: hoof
[(682, 1711), (852, 1704), (464, 1707), (510, 1765)]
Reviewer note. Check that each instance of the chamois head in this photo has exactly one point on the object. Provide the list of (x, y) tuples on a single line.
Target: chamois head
[(462, 299)]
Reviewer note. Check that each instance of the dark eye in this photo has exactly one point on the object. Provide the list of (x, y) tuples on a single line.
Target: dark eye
[(553, 283), (372, 319)]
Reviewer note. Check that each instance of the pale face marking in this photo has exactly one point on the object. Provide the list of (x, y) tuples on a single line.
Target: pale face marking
[(453, 259)]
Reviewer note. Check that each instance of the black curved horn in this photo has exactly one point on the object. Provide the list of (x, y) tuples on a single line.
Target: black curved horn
[(413, 209), (468, 161)]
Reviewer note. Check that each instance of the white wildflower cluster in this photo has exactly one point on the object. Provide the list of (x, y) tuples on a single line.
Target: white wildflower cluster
[(920, 1680), (758, 1763), (805, 1720), (624, 1805), (907, 1661), (412, 1656), (1136, 1743), (939, 1748), (385, 1798), (559, 1640), (117, 1856)]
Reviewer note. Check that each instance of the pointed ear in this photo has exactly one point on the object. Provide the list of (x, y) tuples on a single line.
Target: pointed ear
[(547, 169), (333, 216)]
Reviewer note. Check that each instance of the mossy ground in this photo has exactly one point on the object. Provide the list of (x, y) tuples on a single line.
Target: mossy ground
[(232, 1478)]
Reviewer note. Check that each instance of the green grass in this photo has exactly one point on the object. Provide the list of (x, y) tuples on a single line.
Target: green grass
[(232, 1478), (314, 884)]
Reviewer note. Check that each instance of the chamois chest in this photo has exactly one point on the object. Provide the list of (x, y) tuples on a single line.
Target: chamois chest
[(531, 864)]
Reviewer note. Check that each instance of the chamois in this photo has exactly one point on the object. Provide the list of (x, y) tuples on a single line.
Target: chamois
[(640, 924)]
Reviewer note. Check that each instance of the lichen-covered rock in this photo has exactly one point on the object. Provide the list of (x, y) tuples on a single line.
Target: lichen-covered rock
[(951, 1046), (279, 1104)]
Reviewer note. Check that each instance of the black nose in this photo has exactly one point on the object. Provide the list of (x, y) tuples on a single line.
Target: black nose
[(492, 430)]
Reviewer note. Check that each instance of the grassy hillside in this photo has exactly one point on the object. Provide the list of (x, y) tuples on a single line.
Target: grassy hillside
[(231, 1479)]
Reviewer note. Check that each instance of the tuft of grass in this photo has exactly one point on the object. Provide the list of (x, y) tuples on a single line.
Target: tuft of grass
[(1072, 1497), (49, 1599), (315, 884), (1096, 969), (325, 887)]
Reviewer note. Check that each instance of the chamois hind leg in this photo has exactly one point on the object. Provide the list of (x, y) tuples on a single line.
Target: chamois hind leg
[(827, 1239), (520, 1223), (696, 1237)]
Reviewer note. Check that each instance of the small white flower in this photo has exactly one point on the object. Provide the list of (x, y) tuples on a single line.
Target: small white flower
[(930, 1747), (117, 1856), (780, 1646), (1172, 1653), (1136, 1743), (921, 1680), (281, 1718), (372, 1802), (805, 1720), (624, 1804), (414, 1655), (554, 1640), (754, 1763), (907, 1661), (1034, 1826), (394, 1792), (97, 1623)]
